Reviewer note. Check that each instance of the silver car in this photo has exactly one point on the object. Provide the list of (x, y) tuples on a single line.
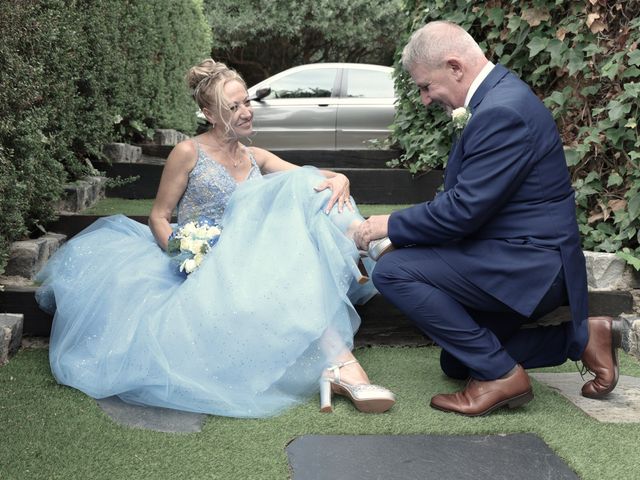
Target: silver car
[(323, 106)]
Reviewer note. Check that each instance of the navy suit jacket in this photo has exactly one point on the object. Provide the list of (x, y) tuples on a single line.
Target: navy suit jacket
[(506, 217)]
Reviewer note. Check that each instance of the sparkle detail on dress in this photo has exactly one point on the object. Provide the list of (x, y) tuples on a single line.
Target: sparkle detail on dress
[(209, 188)]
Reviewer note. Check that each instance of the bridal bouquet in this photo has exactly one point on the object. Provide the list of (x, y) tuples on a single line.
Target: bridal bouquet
[(189, 243)]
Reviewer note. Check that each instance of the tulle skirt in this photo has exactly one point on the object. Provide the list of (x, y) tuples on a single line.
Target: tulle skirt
[(245, 335)]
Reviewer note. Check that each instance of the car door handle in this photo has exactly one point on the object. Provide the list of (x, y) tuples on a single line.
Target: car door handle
[(323, 104)]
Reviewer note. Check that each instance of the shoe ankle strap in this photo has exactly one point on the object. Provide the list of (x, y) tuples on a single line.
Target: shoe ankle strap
[(335, 368)]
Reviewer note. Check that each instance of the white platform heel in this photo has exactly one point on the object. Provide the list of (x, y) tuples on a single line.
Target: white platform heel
[(365, 397)]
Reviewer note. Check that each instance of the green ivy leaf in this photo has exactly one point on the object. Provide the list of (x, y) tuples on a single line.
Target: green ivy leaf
[(614, 180), (633, 207), (496, 15), (631, 259), (617, 110), (572, 157), (537, 45)]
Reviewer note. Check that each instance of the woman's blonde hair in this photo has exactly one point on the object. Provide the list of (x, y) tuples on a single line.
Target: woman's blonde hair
[(206, 82)]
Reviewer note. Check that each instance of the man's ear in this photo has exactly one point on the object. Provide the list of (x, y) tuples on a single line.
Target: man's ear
[(455, 68)]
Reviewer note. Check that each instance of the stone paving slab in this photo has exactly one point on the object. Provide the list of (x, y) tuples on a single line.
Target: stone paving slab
[(423, 457), (151, 418), (620, 406)]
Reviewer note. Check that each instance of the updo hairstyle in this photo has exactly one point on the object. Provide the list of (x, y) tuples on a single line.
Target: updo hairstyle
[(206, 82)]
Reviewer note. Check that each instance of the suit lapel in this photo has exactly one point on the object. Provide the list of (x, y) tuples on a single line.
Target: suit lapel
[(455, 156)]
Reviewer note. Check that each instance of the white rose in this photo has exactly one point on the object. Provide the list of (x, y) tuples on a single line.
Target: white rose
[(188, 229), (459, 112), (186, 244), (188, 265)]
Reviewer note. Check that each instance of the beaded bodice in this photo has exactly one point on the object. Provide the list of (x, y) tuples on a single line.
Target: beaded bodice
[(209, 188)]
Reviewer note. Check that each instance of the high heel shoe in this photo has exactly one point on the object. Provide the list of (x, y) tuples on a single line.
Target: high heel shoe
[(377, 248), (365, 397)]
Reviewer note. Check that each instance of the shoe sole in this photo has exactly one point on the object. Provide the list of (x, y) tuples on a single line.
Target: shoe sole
[(377, 405), (513, 402), (616, 342)]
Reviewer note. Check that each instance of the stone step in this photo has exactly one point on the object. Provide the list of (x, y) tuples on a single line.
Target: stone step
[(318, 158), (368, 185), (11, 326), (71, 225), (382, 323)]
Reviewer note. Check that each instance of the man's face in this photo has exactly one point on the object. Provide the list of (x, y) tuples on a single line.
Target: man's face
[(439, 85)]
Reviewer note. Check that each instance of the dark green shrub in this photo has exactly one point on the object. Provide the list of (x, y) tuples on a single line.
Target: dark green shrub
[(75, 75), (582, 58)]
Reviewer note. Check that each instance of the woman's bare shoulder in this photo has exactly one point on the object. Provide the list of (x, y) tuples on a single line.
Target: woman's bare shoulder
[(261, 155), (183, 154)]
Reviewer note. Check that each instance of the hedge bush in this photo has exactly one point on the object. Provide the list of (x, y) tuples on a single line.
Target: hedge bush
[(582, 59), (76, 75)]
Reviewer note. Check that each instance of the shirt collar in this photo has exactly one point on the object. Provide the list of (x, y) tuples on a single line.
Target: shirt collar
[(477, 81)]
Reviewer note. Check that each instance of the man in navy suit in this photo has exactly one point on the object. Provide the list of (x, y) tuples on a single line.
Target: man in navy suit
[(499, 247)]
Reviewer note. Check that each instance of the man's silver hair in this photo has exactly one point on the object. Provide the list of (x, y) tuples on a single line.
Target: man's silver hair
[(431, 44)]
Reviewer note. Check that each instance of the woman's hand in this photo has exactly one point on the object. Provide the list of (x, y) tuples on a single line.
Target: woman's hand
[(340, 193)]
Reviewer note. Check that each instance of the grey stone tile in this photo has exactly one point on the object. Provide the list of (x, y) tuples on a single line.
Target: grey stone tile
[(151, 418), (418, 457), (620, 406)]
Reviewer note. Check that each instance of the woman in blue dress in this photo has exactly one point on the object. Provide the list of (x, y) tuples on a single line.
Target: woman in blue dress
[(265, 318)]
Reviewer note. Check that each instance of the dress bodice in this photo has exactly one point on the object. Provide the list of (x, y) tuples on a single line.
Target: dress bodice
[(209, 188)]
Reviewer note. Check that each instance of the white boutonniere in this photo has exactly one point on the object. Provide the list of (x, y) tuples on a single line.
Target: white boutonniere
[(459, 118)]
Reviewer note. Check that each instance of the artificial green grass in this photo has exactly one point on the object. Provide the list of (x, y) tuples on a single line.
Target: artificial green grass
[(51, 431), (112, 206)]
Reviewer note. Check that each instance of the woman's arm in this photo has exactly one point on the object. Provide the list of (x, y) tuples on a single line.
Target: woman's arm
[(173, 183), (336, 182)]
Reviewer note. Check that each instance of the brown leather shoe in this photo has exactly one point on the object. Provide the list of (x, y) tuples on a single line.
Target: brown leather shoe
[(600, 356), (482, 397)]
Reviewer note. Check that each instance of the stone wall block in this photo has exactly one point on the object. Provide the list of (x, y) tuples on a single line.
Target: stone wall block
[(10, 335), (633, 339), (82, 194), (122, 153), (606, 271), (27, 257), (164, 136)]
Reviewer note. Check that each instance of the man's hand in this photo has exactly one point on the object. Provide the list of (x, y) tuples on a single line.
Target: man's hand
[(373, 228)]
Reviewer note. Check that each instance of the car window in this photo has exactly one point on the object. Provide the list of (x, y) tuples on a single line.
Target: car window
[(305, 84), (369, 84)]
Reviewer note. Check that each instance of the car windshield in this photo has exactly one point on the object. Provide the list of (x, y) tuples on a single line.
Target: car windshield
[(304, 84), (369, 84)]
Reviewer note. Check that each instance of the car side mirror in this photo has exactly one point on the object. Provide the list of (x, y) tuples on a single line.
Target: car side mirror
[(260, 94)]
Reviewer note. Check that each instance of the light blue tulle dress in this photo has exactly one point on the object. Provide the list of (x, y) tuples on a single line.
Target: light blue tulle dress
[(245, 335)]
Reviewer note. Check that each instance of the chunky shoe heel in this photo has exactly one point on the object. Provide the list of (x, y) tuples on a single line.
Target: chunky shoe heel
[(616, 334), (364, 275), (325, 395), (520, 400)]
